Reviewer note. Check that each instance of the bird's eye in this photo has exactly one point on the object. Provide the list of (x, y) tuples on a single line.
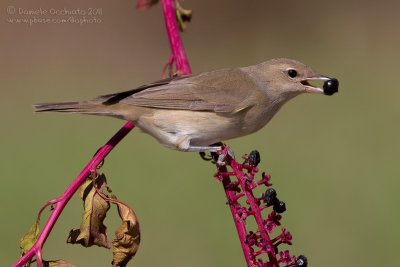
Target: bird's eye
[(292, 73)]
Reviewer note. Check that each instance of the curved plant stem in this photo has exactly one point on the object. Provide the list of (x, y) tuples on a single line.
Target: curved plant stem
[(36, 249), (183, 68)]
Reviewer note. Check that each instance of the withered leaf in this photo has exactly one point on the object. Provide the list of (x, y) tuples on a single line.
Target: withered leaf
[(145, 4), (92, 230), (182, 16), (30, 237), (57, 263), (127, 236)]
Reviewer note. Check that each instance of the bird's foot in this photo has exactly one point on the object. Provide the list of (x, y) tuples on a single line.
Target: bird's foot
[(223, 154), (218, 155), (205, 156)]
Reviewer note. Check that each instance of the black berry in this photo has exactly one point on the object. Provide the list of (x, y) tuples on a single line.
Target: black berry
[(301, 261), (254, 158), (279, 206), (331, 86), (270, 197)]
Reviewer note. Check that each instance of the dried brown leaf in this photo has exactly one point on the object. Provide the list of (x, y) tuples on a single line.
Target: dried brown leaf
[(92, 230), (145, 4), (127, 236), (30, 237), (57, 263)]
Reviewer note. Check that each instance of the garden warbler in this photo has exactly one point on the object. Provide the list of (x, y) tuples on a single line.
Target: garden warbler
[(190, 113)]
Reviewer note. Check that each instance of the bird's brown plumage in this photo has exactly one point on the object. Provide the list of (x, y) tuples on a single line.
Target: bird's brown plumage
[(189, 113)]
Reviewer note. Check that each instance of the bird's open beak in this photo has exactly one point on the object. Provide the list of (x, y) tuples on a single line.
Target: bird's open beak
[(309, 88), (329, 87)]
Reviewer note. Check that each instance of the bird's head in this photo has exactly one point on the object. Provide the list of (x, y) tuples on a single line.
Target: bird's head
[(286, 78)]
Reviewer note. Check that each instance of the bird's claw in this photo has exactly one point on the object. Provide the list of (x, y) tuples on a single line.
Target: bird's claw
[(206, 157), (223, 154)]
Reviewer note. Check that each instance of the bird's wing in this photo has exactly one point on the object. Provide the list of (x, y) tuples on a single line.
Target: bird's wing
[(225, 91), (114, 98)]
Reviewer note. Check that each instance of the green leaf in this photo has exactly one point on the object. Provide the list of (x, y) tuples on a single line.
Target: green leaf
[(127, 236), (57, 263), (28, 240), (92, 230)]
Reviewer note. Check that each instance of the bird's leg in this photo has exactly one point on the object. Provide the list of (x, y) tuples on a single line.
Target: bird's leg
[(218, 156), (183, 144), (218, 151), (213, 154), (212, 149)]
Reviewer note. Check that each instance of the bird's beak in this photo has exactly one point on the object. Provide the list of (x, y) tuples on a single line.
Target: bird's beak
[(330, 86), (309, 88)]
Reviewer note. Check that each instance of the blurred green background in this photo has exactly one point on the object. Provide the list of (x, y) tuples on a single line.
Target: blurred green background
[(334, 160)]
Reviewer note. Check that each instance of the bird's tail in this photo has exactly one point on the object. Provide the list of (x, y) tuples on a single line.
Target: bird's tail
[(70, 107)]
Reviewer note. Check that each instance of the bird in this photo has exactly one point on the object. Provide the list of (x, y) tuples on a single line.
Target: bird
[(196, 112)]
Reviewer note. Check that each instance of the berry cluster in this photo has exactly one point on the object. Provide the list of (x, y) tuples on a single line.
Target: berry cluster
[(244, 205)]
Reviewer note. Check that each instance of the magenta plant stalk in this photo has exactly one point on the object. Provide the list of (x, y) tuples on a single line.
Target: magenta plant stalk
[(240, 226), (243, 205), (182, 65), (255, 208), (36, 249), (177, 51)]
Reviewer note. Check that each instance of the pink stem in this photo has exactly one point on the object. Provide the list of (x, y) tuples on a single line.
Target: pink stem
[(245, 192), (39, 259), (177, 50), (240, 226), (63, 200), (183, 68), (255, 209)]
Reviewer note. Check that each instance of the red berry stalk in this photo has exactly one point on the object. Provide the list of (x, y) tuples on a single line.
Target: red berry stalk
[(241, 190)]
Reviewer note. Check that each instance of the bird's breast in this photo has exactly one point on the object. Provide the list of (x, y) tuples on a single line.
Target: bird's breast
[(203, 128)]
